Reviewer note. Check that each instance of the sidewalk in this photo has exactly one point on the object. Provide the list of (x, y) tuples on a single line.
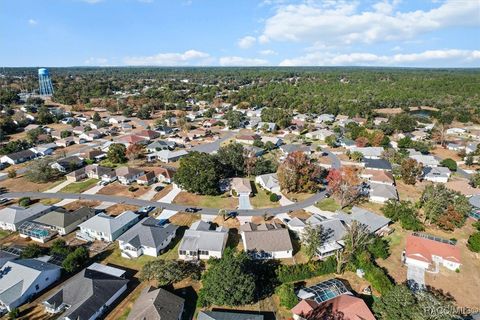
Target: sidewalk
[(92, 190), (168, 198)]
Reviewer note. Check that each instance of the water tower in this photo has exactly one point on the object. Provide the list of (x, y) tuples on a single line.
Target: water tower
[(45, 83)]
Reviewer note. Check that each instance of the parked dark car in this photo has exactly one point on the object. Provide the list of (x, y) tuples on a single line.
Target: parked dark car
[(159, 188)]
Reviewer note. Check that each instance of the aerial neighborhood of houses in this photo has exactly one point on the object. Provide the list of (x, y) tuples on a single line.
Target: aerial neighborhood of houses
[(127, 215)]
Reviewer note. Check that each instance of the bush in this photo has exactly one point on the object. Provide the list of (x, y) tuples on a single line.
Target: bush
[(75, 260), (273, 197), (14, 313), (287, 296), (474, 242), (449, 163), (12, 173), (292, 273), (25, 201), (32, 250), (373, 273), (379, 248), (132, 189)]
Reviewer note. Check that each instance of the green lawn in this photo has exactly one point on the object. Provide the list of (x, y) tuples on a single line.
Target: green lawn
[(328, 204), (3, 234), (79, 187), (261, 199), (220, 201)]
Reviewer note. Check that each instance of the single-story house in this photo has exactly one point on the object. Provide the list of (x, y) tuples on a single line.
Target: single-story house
[(22, 280), (11, 218), (266, 241), (375, 223), (319, 134), (381, 192), (378, 176), (427, 251), (200, 242), (157, 304), (44, 149), (368, 152), (168, 156), (267, 126), (65, 222), (275, 140), (227, 315), (241, 186), (94, 154), (247, 139), (67, 164), (164, 174), (325, 118), (268, 182), (18, 157), (147, 179), (298, 225), (426, 160), (377, 164), (107, 228), (161, 145), (149, 237), (295, 147), (128, 175), (147, 134), (436, 174), (132, 139), (117, 119), (88, 294)]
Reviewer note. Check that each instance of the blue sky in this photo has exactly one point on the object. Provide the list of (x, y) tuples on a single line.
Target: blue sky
[(416, 33)]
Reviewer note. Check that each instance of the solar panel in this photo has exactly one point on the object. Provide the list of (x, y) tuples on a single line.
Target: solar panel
[(12, 250), (434, 238), (324, 291)]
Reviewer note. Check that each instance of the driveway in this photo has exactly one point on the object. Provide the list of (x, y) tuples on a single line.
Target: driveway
[(59, 187), (151, 192), (415, 277), (168, 198), (284, 201), (244, 202)]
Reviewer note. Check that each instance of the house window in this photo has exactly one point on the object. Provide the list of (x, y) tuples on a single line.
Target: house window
[(182, 252), (37, 287), (203, 252)]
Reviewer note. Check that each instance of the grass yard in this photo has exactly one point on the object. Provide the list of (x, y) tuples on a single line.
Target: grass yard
[(195, 200), (21, 184), (328, 204), (261, 199), (79, 187), (120, 190), (297, 196), (49, 202), (4, 234), (135, 264)]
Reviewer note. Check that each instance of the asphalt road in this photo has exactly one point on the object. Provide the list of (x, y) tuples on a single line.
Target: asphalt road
[(177, 207)]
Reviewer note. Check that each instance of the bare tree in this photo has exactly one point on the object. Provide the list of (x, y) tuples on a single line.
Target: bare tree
[(356, 239)]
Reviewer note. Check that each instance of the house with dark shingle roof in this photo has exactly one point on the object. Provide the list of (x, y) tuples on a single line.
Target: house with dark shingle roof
[(157, 304), (18, 157), (228, 315), (65, 222), (149, 237), (88, 294)]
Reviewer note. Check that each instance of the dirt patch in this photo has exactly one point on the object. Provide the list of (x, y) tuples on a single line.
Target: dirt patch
[(184, 219), (80, 204), (445, 153), (222, 201), (117, 189), (21, 184), (409, 192), (162, 193), (117, 209)]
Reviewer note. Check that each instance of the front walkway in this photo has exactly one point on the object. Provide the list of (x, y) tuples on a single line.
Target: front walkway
[(59, 187), (244, 202)]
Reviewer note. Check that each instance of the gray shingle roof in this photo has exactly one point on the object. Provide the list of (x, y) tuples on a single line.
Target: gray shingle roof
[(148, 233), (65, 219), (16, 214), (223, 315), (373, 221), (158, 304)]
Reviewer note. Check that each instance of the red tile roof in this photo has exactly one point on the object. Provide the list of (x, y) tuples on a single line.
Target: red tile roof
[(422, 249), (344, 306)]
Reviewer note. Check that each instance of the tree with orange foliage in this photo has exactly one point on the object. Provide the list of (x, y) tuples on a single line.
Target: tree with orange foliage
[(344, 184), (361, 142), (298, 174), (134, 151)]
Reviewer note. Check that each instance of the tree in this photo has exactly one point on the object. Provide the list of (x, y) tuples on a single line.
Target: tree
[(44, 116), (232, 159), (287, 296), (228, 281), (24, 201), (356, 239), (167, 272), (475, 179), (402, 303), (361, 142), (96, 117), (234, 119), (404, 212), (298, 173), (379, 248), (444, 207), (263, 166), (32, 250), (331, 141), (199, 173), (344, 184), (65, 133), (12, 173), (410, 170), (449, 163), (312, 239), (59, 247), (127, 111), (474, 242), (75, 260), (469, 160), (356, 156), (134, 151), (14, 313), (116, 153), (403, 122), (145, 112), (443, 121), (40, 171)]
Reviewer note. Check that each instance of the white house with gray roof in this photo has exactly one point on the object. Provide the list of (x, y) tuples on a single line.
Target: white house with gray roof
[(148, 237), (107, 228), (202, 242), (436, 174), (11, 218), (268, 182), (375, 223), (21, 280), (266, 241), (381, 192)]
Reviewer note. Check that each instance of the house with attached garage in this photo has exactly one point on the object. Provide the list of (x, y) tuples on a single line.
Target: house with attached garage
[(147, 179), (266, 241), (128, 175), (368, 152), (107, 228), (320, 134), (381, 192), (148, 237), (161, 145), (436, 174), (430, 252), (164, 174), (167, 156), (378, 176), (63, 221), (157, 304), (22, 280), (202, 241), (377, 164), (295, 147), (376, 224), (426, 160), (67, 164), (298, 225), (18, 157), (11, 218), (88, 294), (45, 149)]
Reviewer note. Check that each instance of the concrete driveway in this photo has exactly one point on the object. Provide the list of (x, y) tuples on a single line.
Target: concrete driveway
[(416, 277), (244, 202)]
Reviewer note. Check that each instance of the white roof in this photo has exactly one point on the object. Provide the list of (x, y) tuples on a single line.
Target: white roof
[(369, 151), (108, 224), (106, 269)]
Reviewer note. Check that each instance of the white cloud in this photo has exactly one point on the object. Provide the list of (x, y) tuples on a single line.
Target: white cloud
[(342, 22), (189, 57), (241, 61), (449, 57), (246, 42), (96, 61), (268, 52), (32, 22)]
